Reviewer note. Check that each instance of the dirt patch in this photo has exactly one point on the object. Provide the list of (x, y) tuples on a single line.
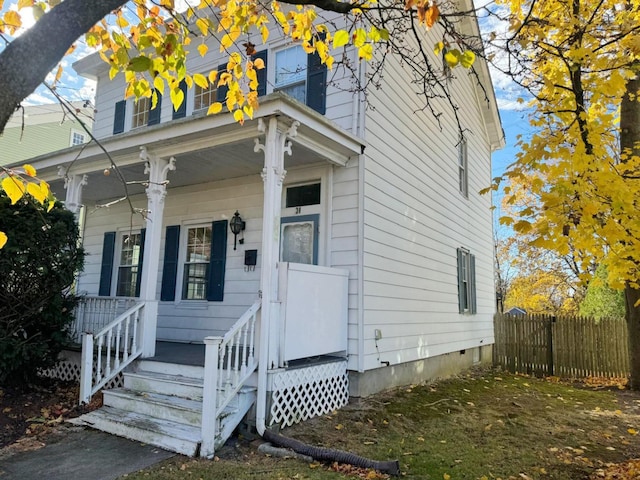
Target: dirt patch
[(30, 412)]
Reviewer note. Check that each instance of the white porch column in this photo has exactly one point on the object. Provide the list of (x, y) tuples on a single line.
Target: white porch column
[(157, 168), (73, 185), (273, 174)]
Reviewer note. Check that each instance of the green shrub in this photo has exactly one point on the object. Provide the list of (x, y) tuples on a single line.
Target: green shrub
[(37, 268)]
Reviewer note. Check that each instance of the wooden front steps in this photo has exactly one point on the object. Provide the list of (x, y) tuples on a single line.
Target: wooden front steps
[(161, 404)]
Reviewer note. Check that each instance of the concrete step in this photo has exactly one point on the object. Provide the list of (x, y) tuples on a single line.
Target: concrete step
[(173, 436), (192, 371), (158, 405), (167, 384)]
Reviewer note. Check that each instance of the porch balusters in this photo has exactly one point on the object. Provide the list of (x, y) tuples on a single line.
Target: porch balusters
[(113, 351), (226, 371)]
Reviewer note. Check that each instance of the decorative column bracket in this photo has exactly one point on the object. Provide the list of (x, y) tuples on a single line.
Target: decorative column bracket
[(73, 185)]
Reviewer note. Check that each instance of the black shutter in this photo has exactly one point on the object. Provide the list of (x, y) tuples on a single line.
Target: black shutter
[(221, 93), (461, 294), (170, 266), (316, 83), (143, 234), (262, 74), (106, 270), (154, 114), (118, 116), (217, 262), (182, 111), (472, 283)]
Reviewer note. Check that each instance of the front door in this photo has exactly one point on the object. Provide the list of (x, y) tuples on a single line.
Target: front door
[(300, 223)]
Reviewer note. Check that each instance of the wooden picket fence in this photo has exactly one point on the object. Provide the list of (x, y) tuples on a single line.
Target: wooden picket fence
[(564, 346)]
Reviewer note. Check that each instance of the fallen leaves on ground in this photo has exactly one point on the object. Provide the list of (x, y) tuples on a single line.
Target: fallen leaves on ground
[(357, 472), (622, 471)]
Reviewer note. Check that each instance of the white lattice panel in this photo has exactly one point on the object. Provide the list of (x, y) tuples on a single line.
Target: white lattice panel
[(302, 393), (68, 369)]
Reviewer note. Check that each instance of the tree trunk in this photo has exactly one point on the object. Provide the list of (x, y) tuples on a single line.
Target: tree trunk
[(27, 60), (630, 141), (632, 296)]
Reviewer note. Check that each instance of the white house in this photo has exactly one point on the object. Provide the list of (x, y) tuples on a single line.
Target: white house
[(363, 260)]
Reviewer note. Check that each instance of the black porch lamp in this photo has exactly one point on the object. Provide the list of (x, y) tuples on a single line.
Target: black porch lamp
[(236, 225)]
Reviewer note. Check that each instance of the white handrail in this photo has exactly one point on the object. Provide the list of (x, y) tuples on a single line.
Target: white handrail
[(116, 346), (229, 362)]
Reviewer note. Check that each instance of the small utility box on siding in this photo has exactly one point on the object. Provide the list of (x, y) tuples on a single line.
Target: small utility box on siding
[(314, 305)]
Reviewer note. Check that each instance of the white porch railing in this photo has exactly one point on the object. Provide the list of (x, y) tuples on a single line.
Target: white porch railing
[(94, 313), (108, 352), (229, 362)]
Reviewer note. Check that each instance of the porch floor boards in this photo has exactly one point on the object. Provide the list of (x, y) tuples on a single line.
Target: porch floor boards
[(179, 353)]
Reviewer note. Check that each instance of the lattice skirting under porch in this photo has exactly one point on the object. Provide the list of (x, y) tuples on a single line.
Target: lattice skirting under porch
[(68, 369), (302, 393)]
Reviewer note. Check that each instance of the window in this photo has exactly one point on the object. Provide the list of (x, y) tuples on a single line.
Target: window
[(466, 281), (140, 113), (291, 73), (129, 264), (463, 172), (203, 97), (77, 138), (194, 280), (303, 195)]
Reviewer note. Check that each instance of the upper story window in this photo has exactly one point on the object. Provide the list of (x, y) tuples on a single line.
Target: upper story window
[(463, 170), (77, 138), (140, 116), (291, 72), (466, 281), (204, 97)]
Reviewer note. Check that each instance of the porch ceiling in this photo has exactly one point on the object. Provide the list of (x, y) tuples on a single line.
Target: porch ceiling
[(206, 149), (200, 166)]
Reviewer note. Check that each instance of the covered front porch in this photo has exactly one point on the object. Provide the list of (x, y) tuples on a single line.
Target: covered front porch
[(266, 316)]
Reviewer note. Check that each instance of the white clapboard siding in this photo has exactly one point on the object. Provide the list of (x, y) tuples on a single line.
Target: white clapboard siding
[(414, 220), (339, 98)]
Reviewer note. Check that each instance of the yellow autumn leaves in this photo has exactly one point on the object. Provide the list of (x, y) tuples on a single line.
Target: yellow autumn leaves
[(16, 183)]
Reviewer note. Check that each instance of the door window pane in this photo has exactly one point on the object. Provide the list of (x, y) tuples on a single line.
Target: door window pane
[(297, 243)]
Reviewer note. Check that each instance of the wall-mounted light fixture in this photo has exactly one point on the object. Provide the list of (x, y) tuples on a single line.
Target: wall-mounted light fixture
[(237, 225)]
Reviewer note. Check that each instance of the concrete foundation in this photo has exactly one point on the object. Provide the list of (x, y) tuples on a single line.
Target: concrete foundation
[(363, 384)]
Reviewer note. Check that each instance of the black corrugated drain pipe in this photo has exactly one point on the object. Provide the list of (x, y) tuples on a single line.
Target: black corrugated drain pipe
[(328, 454)]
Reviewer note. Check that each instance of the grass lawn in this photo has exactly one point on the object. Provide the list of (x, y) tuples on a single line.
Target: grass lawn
[(482, 425)]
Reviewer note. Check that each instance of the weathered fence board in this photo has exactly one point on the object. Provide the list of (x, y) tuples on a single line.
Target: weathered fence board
[(566, 346)]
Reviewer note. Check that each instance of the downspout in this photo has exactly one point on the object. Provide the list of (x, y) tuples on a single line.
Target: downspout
[(361, 171)]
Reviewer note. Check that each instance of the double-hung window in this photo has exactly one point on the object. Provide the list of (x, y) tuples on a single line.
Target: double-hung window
[(463, 167), (128, 265), (291, 73), (204, 97), (466, 281), (196, 265), (140, 116)]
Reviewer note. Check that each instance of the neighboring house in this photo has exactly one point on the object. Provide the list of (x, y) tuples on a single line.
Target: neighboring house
[(363, 257), (40, 129), (516, 311)]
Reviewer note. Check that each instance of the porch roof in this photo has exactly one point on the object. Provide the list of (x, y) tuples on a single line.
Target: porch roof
[(206, 148)]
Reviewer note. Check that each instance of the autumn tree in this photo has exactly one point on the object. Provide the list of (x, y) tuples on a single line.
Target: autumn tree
[(148, 43), (579, 61)]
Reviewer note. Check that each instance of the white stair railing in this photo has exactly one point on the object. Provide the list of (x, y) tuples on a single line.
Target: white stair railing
[(229, 362), (94, 313), (106, 353)]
